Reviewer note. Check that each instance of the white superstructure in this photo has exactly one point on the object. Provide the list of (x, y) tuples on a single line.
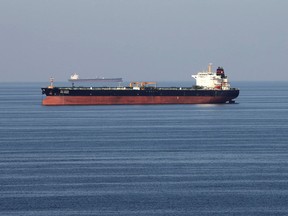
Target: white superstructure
[(212, 80), (74, 76)]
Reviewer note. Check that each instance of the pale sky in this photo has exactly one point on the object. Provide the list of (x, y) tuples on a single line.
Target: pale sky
[(143, 40)]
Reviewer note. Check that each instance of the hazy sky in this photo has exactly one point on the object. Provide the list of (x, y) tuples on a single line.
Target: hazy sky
[(142, 40)]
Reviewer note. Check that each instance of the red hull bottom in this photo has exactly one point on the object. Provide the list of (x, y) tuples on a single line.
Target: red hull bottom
[(130, 100)]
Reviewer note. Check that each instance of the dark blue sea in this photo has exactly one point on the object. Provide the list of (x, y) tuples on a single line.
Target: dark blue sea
[(229, 159)]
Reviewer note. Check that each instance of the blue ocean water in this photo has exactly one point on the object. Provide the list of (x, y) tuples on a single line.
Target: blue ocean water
[(227, 159)]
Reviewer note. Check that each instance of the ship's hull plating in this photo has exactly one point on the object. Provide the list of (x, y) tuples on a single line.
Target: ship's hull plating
[(110, 100), (199, 97)]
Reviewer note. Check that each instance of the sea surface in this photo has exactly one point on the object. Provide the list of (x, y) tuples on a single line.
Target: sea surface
[(229, 159)]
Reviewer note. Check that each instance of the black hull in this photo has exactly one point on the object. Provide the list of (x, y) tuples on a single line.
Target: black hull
[(107, 96), (130, 92)]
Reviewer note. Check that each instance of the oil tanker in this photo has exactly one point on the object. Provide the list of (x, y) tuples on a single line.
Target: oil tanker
[(211, 88)]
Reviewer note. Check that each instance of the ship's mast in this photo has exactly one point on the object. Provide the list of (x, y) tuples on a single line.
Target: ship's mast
[(210, 68), (51, 83)]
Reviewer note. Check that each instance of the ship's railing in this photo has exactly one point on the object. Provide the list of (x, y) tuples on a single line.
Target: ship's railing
[(130, 88), (94, 88), (124, 88)]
